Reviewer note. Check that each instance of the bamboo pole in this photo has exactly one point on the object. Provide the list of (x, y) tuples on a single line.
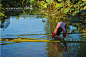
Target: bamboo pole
[(49, 41), (24, 40)]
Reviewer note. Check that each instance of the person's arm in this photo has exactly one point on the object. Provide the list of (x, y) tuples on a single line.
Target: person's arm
[(64, 33), (66, 27), (57, 26), (54, 33), (55, 46)]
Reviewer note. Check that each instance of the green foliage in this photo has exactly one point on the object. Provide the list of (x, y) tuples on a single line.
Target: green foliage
[(44, 4), (66, 10), (32, 1), (49, 1), (2, 13), (60, 0), (57, 5), (62, 7)]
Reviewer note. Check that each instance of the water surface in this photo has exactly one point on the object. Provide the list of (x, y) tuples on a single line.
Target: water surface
[(30, 24)]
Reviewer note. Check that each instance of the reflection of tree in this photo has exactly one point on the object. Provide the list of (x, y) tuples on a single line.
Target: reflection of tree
[(73, 49), (50, 25), (83, 32), (76, 49), (5, 24), (82, 51), (47, 27)]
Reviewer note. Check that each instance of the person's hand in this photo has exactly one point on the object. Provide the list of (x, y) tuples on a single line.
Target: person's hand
[(53, 36), (63, 38)]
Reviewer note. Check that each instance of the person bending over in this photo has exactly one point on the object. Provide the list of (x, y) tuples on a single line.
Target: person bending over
[(61, 26)]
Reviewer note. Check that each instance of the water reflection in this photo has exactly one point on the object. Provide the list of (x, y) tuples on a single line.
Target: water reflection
[(32, 24), (5, 24), (28, 25), (59, 47), (56, 49), (66, 49)]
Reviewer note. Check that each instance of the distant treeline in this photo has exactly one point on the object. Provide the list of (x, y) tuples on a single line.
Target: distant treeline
[(68, 7)]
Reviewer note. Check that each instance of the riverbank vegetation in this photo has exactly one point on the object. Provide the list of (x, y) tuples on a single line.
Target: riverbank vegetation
[(68, 10)]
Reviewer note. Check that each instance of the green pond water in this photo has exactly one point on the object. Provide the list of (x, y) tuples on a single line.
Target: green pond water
[(14, 27)]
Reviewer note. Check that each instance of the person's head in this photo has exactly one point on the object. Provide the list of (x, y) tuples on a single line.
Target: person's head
[(59, 31)]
